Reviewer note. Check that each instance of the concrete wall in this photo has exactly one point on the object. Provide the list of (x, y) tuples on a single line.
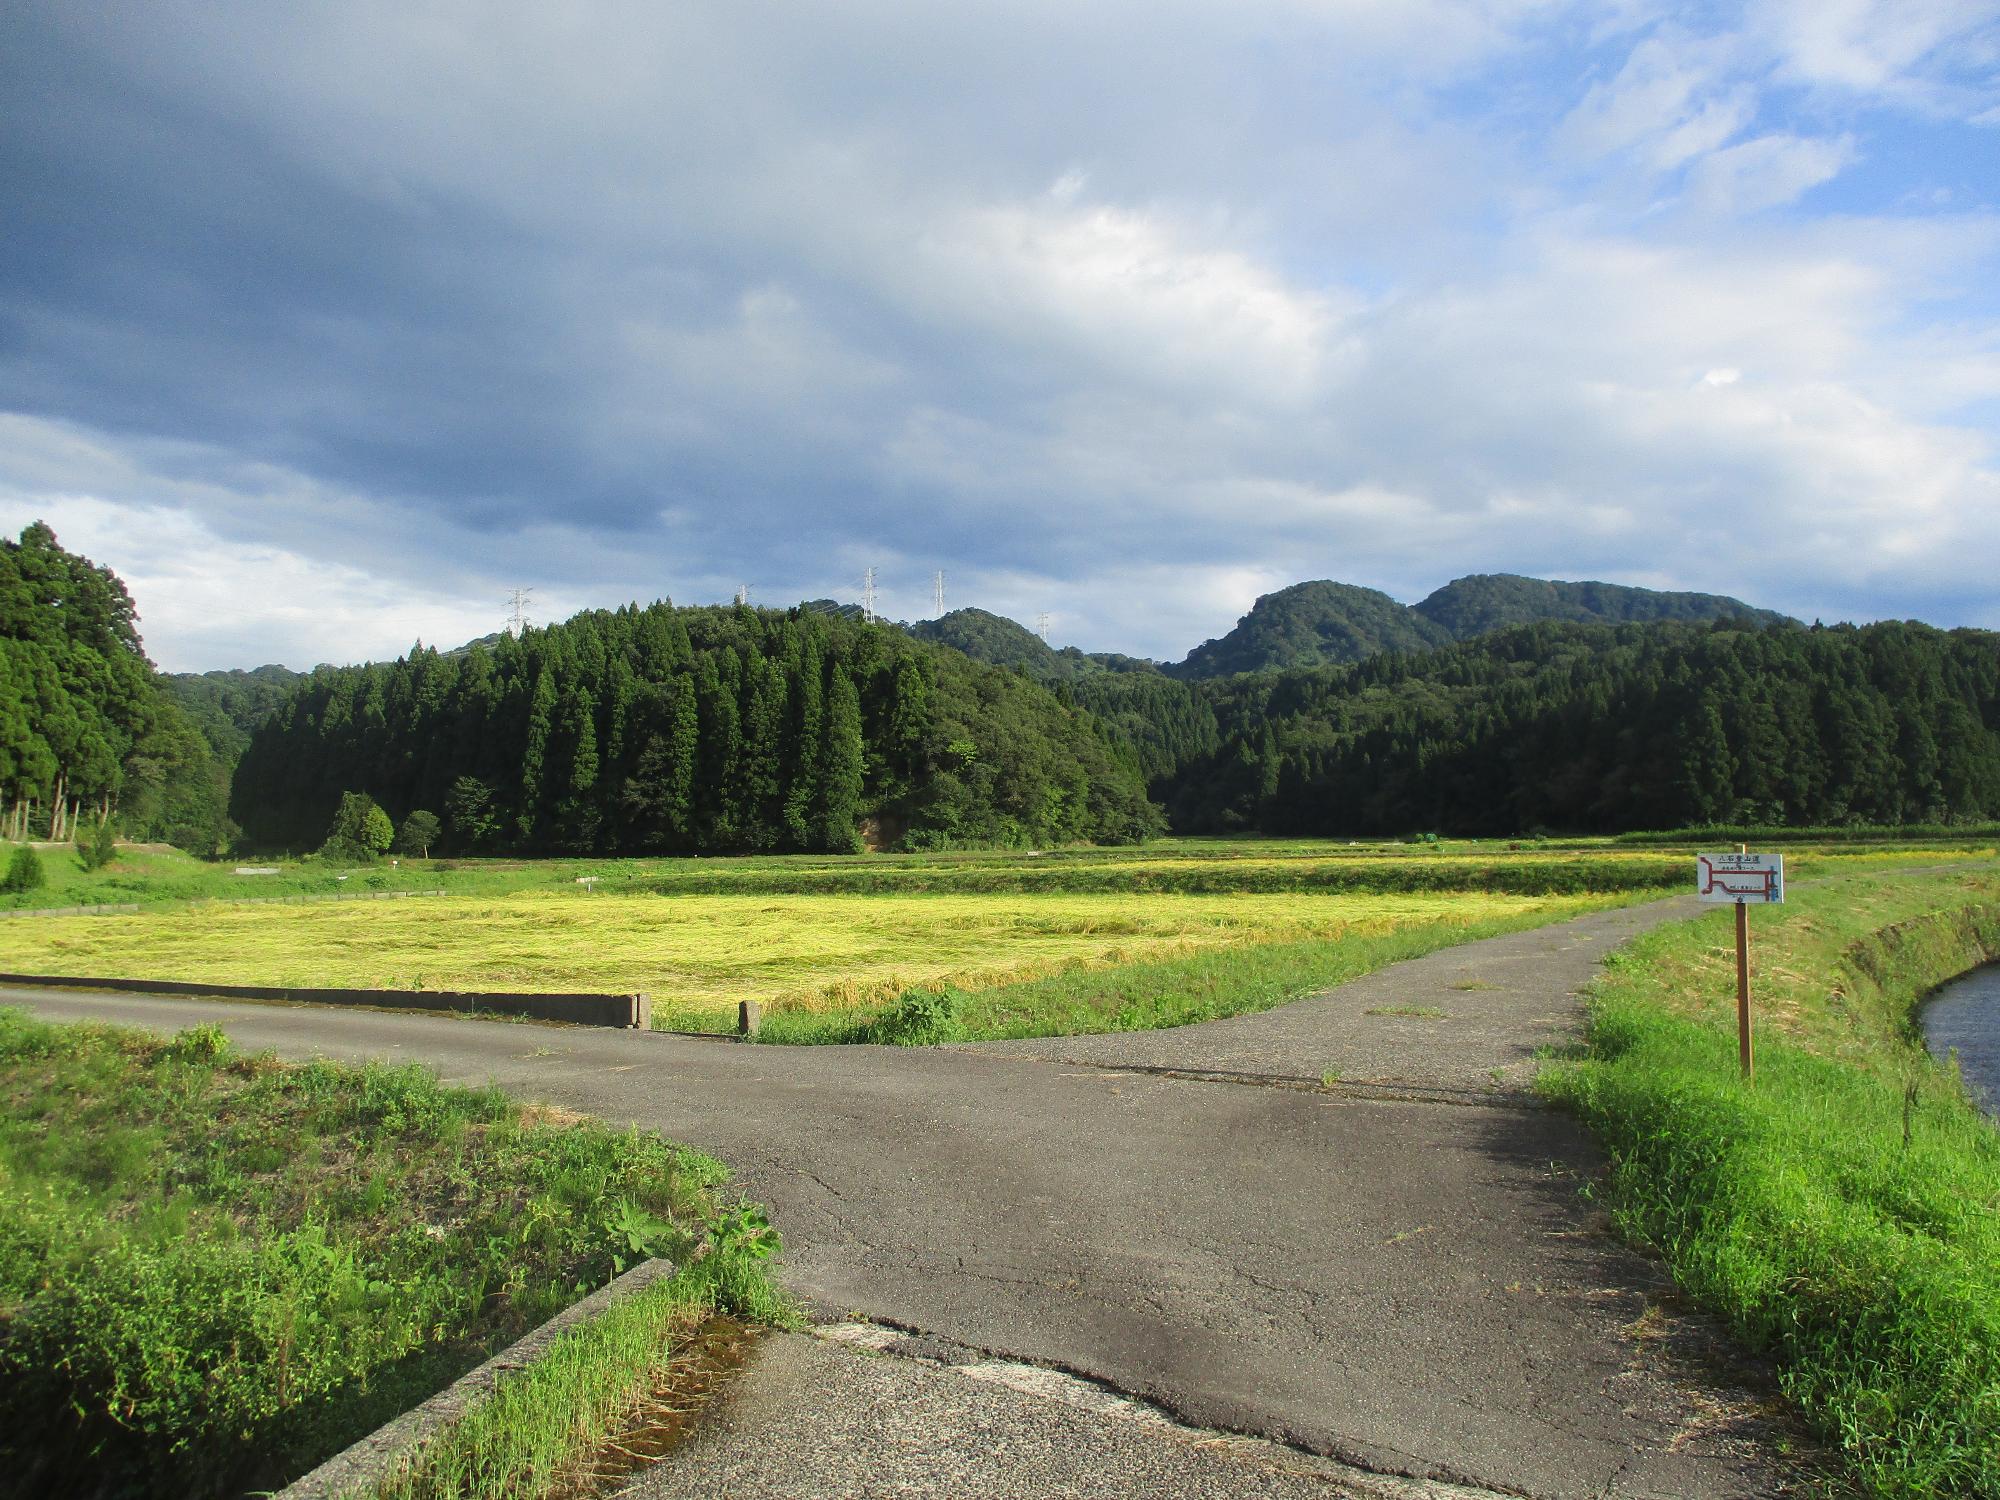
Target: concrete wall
[(634, 1010)]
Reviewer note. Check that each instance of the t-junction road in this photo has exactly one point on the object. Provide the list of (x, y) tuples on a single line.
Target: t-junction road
[(1395, 1269)]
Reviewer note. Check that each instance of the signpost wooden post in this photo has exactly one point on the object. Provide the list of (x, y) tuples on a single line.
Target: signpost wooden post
[(1741, 879)]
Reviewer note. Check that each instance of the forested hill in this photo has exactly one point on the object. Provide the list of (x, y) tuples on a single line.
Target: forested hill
[(1321, 623), (692, 730), (1604, 728), (1328, 624), (1483, 602), (988, 637), (227, 706), (85, 725), (1309, 625)]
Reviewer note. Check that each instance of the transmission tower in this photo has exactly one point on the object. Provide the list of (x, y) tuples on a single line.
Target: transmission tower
[(517, 620), (742, 593), (868, 596), (937, 593), (1042, 626)]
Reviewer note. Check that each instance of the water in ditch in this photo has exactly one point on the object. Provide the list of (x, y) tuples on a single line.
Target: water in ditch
[(1964, 1017)]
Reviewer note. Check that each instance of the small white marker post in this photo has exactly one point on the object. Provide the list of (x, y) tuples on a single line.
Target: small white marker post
[(1741, 878)]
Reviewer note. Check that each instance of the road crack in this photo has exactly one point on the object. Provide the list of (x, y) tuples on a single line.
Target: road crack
[(1349, 1468)]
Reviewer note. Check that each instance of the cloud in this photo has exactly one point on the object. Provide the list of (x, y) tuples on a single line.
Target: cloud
[(1765, 173), (1933, 54), (1115, 311)]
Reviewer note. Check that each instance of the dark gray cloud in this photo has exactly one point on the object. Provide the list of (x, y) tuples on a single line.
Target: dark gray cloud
[(1123, 312)]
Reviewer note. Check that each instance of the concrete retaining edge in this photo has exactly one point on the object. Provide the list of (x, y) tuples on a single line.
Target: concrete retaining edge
[(358, 1468), (629, 1011)]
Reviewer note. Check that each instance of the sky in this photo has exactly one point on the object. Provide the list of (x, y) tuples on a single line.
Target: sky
[(327, 326)]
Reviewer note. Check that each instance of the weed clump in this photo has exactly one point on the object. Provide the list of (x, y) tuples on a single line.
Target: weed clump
[(919, 1018)]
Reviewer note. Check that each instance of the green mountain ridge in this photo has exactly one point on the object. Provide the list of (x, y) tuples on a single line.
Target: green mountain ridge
[(1313, 624), (1323, 623), (1483, 602), (1002, 642)]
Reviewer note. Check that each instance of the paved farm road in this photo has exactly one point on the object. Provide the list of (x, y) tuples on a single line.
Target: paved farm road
[(1397, 1272)]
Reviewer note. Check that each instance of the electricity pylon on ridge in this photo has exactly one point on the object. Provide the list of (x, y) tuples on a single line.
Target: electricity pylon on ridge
[(517, 619), (937, 593)]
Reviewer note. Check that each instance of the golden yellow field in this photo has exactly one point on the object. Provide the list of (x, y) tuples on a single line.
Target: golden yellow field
[(699, 955)]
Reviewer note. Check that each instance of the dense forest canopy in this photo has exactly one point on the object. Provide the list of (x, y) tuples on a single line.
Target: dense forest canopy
[(85, 728), (703, 730), (988, 637), (693, 730), (1608, 728), (1483, 602), (227, 706), (1313, 624)]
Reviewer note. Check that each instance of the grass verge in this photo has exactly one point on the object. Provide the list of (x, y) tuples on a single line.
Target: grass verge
[(1842, 1213), (535, 1433), (216, 1270), (1174, 991)]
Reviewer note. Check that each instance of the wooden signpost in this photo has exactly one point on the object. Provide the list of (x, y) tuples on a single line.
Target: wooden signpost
[(1743, 879)]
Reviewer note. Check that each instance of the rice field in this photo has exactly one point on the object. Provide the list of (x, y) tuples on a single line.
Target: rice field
[(697, 956)]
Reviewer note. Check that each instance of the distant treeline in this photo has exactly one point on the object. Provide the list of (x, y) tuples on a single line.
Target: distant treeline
[(723, 730), (1585, 729), (692, 731), (86, 728)]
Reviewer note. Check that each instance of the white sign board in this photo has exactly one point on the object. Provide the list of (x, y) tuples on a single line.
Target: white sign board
[(1740, 879)]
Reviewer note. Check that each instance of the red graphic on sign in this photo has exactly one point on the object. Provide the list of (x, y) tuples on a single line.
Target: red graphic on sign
[(1756, 884)]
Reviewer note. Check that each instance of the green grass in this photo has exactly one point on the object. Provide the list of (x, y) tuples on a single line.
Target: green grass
[(1174, 991), (216, 1269), (532, 1436), (1842, 1212)]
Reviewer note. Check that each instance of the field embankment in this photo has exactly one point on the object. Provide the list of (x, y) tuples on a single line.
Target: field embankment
[(1843, 1211), (150, 876), (215, 1270)]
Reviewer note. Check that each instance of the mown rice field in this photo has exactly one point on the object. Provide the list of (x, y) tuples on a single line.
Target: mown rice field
[(699, 955)]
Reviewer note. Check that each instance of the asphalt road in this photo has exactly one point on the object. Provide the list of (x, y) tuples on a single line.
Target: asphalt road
[(1397, 1272)]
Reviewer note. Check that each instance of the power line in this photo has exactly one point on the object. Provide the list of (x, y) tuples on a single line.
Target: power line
[(742, 593), (517, 621), (868, 596), (937, 593), (1042, 626)]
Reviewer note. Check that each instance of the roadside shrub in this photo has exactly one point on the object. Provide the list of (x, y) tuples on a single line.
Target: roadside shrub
[(24, 872), (207, 1043), (919, 1018)]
